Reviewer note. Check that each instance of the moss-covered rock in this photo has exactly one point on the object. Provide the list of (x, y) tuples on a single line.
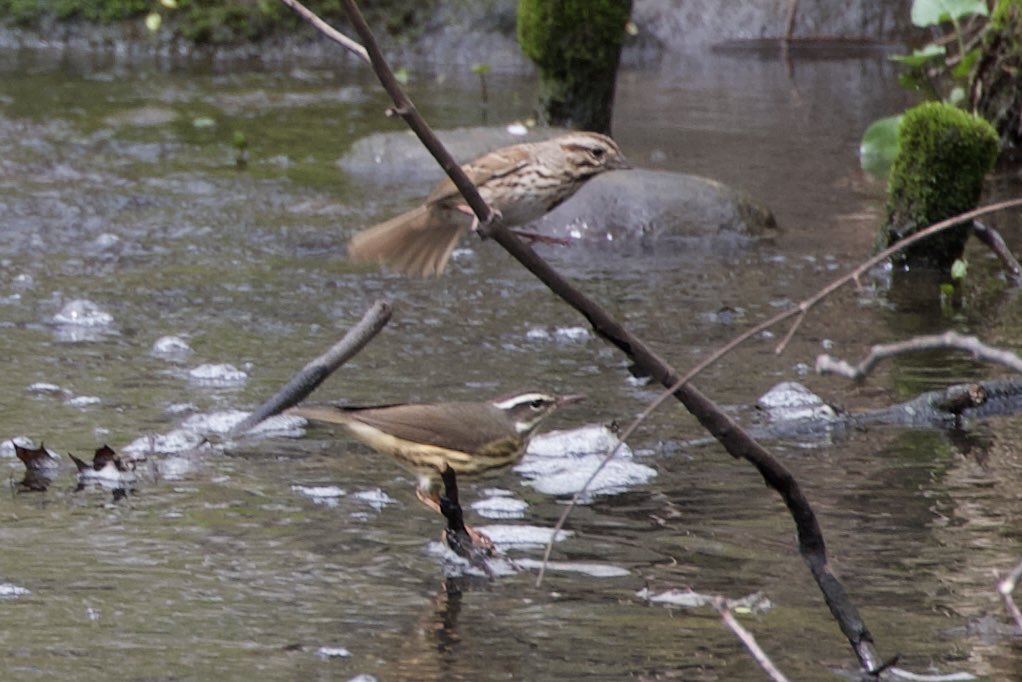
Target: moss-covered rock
[(996, 90), (943, 155), (576, 44)]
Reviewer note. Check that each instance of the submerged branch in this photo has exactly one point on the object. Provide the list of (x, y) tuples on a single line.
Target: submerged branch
[(995, 242)]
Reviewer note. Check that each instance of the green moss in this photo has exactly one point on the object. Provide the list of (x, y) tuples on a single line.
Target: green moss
[(943, 155), (576, 44), (1006, 18), (1002, 38), (997, 78), (572, 33)]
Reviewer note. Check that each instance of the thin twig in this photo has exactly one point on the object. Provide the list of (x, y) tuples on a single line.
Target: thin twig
[(746, 638), (825, 364), (995, 242), (315, 372), (328, 30)]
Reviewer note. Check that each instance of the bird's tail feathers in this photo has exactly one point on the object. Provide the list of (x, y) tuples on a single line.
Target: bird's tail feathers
[(418, 242)]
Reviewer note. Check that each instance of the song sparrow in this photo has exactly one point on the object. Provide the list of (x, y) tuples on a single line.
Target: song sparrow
[(520, 182)]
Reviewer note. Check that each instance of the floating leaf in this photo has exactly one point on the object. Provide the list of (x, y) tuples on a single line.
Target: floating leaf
[(203, 122), (879, 146), (169, 4), (35, 459), (401, 75), (153, 21), (481, 69)]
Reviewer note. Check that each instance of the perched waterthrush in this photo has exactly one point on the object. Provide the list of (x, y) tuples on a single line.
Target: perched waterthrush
[(470, 437)]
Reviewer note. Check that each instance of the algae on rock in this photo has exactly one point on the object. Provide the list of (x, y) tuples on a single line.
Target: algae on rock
[(943, 155), (576, 44)]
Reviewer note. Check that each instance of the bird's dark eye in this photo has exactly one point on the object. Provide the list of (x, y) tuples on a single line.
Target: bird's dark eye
[(536, 404), (597, 152)]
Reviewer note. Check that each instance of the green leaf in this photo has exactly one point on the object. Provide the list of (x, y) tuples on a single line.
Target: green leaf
[(153, 21), (879, 146), (401, 75), (935, 12), (959, 269), (914, 80), (921, 56), (203, 122), (964, 67), (481, 69)]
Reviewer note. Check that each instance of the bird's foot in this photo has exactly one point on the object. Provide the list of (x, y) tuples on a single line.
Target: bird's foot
[(495, 216)]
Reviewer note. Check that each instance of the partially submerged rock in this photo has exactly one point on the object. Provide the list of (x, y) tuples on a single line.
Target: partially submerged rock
[(651, 204)]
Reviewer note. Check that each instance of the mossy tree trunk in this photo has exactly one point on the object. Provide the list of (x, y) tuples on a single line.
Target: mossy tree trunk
[(943, 155), (576, 44), (997, 79)]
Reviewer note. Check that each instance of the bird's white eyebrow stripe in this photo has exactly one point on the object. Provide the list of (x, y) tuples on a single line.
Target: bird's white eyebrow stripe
[(518, 400)]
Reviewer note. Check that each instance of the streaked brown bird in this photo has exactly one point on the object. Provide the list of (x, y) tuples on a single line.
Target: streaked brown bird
[(520, 183), (471, 437)]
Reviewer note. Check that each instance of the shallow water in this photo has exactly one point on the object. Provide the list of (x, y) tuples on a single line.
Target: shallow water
[(118, 186)]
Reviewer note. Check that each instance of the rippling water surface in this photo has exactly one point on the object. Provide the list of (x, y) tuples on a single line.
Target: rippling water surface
[(286, 557)]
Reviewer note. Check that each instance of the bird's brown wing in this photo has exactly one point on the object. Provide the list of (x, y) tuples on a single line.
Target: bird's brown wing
[(418, 242), (455, 426), (496, 164)]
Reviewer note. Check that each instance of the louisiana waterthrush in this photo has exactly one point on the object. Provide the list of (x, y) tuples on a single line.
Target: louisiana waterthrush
[(470, 437)]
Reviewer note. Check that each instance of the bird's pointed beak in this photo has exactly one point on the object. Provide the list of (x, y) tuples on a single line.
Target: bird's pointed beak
[(570, 399)]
